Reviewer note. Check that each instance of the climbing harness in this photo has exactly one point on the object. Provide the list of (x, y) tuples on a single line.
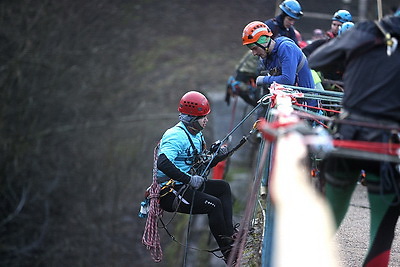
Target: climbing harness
[(199, 159), (169, 188)]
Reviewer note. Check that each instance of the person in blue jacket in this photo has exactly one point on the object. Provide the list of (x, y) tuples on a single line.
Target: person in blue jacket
[(183, 186), (242, 83), (281, 58), (282, 25)]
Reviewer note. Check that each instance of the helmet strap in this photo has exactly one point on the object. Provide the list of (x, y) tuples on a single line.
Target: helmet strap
[(266, 48)]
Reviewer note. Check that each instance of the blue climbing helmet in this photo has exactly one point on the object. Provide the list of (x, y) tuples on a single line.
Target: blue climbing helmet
[(291, 8), (397, 13), (342, 16), (345, 26)]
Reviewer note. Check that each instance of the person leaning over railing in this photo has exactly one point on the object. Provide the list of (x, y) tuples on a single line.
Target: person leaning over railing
[(281, 58)]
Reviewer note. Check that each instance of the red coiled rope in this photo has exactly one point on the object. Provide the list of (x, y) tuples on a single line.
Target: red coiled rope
[(151, 237)]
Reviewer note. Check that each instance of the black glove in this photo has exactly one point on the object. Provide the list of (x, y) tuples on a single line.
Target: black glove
[(222, 153), (223, 149), (214, 146)]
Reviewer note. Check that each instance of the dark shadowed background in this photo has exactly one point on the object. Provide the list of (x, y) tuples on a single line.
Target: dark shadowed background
[(87, 89)]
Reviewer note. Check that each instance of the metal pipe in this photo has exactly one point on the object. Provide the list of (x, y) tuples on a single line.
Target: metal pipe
[(379, 6)]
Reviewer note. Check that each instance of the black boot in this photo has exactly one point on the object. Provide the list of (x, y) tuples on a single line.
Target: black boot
[(226, 252)]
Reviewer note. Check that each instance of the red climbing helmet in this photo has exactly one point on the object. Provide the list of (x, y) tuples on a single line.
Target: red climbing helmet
[(194, 103)]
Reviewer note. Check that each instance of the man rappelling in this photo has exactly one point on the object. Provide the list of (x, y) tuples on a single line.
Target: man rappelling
[(182, 163)]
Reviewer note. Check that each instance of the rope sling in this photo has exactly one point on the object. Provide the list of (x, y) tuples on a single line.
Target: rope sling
[(151, 236)]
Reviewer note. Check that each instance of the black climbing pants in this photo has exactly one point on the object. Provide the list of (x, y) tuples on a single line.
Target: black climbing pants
[(214, 198)]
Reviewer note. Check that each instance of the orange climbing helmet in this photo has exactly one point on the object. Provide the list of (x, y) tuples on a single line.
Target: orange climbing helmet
[(253, 31), (194, 103)]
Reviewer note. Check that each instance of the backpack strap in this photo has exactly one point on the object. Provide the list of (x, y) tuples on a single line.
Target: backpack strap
[(391, 42), (301, 64), (196, 152)]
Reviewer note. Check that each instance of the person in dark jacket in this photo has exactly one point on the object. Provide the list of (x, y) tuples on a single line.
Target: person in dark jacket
[(282, 25), (340, 17), (331, 80), (371, 113)]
